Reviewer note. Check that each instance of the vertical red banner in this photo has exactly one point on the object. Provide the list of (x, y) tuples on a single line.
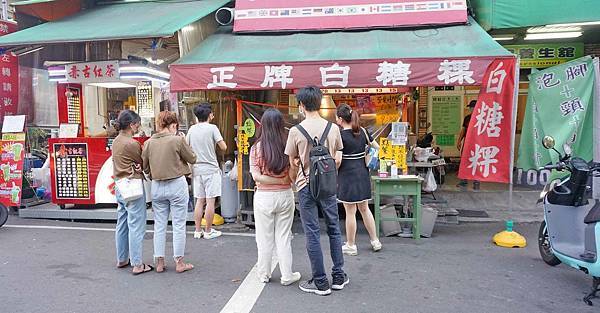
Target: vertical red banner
[(9, 76), (487, 150), (11, 171)]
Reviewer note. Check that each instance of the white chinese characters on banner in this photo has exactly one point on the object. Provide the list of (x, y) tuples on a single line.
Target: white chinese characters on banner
[(489, 119), (395, 73), (496, 80), (277, 74), (456, 71), (94, 72), (334, 75), (221, 77), (484, 160)]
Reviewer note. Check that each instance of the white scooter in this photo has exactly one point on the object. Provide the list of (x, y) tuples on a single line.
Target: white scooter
[(570, 233)]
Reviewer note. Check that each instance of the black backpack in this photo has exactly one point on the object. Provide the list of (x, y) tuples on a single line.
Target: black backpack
[(323, 171)]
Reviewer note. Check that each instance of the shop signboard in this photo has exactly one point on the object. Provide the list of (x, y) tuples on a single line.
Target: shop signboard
[(396, 73), (145, 99), (560, 104), (9, 75), (277, 15), (11, 166), (445, 114), (486, 154), (546, 54), (93, 72)]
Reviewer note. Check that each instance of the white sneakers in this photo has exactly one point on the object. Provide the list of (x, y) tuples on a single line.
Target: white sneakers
[(376, 245), (353, 250), (349, 249), (285, 282), (210, 235), (295, 277)]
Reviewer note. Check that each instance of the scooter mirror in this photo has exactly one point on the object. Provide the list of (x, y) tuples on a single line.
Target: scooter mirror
[(567, 148), (548, 142)]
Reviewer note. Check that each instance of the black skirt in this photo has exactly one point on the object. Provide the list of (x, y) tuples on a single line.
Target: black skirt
[(354, 183)]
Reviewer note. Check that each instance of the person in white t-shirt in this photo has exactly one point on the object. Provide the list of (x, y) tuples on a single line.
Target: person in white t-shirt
[(204, 138)]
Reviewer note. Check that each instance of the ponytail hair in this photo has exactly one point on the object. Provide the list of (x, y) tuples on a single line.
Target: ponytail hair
[(125, 119), (351, 117)]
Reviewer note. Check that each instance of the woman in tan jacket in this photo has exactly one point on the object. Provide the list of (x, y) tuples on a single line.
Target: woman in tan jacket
[(131, 216), (166, 160)]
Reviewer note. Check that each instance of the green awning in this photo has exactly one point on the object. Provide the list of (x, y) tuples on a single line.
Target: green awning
[(127, 20), (499, 14), (225, 47)]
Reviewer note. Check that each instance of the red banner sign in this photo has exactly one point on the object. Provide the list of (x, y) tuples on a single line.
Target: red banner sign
[(331, 75), (276, 15), (486, 151), (11, 172), (70, 105), (9, 76)]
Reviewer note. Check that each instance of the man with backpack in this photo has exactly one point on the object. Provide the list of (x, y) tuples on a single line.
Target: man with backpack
[(315, 147)]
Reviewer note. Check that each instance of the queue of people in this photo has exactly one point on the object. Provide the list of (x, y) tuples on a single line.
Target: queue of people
[(279, 162)]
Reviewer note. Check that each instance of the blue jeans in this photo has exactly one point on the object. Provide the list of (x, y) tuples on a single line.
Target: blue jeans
[(170, 196), (130, 229), (309, 213)]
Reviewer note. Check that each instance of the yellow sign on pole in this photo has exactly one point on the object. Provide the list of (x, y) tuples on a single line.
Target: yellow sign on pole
[(243, 145)]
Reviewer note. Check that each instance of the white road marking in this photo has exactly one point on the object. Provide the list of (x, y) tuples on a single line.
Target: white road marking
[(245, 296), (105, 229)]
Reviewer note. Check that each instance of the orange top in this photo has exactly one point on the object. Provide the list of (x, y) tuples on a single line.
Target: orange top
[(256, 164)]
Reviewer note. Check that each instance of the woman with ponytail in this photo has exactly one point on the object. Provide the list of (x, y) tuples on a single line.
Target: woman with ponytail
[(354, 183), (131, 215)]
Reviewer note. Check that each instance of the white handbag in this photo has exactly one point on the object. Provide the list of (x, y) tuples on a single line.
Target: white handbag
[(130, 188)]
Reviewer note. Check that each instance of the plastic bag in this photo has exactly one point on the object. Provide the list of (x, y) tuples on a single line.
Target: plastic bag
[(429, 185), (233, 174), (372, 158)]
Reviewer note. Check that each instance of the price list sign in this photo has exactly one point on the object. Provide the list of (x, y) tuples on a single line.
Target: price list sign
[(71, 171), (145, 102), (73, 106)]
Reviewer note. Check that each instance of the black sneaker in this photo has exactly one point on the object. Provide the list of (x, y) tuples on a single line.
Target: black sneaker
[(311, 287), (340, 281)]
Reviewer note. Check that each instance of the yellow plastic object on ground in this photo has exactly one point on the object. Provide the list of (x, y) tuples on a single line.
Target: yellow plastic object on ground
[(217, 221), (509, 238)]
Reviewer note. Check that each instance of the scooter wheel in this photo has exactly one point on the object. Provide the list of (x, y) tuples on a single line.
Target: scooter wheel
[(544, 246), (3, 214)]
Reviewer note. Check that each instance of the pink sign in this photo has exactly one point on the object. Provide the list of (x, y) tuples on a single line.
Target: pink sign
[(486, 152), (330, 74), (9, 76), (276, 15)]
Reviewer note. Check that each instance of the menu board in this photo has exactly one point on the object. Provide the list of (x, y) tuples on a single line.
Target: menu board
[(71, 171), (145, 101), (386, 107), (11, 167), (445, 114), (73, 106)]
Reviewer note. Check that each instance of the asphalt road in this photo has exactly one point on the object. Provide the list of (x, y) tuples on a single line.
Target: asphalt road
[(458, 270)]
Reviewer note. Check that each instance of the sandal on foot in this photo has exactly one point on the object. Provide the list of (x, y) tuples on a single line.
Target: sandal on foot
[(160, 267), (124, 265), (186, 267), (147, 268)]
